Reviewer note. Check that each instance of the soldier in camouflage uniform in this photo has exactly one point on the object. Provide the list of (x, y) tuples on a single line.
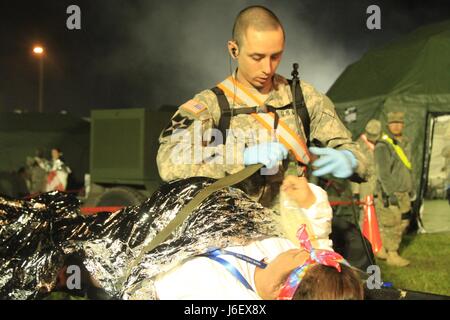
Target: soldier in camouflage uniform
[(394, 188), (257, 45), (366, 142)]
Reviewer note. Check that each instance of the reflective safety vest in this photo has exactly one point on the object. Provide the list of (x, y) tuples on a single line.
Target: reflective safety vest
[(398, 150), (269, 120)]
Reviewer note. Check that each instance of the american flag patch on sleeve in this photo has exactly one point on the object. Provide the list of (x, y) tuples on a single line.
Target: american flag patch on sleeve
[(193, 106)]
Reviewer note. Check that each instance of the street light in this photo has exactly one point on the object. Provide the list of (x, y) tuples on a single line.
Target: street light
[(39, 51)]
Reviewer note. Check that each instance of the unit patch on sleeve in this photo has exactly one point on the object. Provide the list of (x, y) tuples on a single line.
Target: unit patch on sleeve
[(177, 122)]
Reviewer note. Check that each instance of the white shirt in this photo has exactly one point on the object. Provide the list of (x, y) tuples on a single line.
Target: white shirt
[(317, 218), (201, 278)]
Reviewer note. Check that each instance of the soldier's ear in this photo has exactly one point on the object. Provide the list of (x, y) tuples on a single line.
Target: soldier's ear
[(234, 52), (233, 49)]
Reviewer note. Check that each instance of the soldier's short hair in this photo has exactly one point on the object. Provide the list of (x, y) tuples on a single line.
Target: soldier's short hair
[(396, 117), (257, 17)]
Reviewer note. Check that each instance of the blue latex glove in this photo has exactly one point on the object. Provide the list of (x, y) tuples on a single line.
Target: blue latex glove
[(268, 153), (340, 163)]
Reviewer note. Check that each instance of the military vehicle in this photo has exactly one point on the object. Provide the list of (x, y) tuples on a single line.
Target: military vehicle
[(123, 148)]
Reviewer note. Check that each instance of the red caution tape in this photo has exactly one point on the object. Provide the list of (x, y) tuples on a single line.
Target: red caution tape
[(346, 203), (93, 210)]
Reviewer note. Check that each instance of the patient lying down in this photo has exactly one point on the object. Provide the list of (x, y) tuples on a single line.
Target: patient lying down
[(229, 247), (275, 267)]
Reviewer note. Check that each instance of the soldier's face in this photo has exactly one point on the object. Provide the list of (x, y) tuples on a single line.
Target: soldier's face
[(259, 57), (396, 128)]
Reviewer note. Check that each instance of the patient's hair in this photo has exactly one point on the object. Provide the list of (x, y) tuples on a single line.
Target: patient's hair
[(326, 283)]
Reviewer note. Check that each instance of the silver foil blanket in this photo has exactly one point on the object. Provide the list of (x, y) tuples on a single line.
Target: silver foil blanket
[(30, 236), (36, 236)]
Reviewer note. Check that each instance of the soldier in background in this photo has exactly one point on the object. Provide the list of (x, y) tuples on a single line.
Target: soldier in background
[(366, 142), (394, 187)]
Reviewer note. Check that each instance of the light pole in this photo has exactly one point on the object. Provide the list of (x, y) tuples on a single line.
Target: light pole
[(39, 51)]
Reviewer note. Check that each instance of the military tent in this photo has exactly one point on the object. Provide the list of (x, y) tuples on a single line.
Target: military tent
[(411, 75)]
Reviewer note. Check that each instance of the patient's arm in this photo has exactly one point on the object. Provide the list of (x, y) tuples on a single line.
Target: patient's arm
[(305, 203), (297, 189)]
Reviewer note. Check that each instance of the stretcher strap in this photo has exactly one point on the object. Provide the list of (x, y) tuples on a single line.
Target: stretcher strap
[(191, 206)]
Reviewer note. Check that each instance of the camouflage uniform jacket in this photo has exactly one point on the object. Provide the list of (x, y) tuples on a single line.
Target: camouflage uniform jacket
[(393, 176), (196, 156), (366, 188)]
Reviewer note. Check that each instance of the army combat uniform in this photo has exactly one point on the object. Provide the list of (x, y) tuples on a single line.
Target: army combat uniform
[(366, 188), (366, 144), (196, 151), (393, 190)]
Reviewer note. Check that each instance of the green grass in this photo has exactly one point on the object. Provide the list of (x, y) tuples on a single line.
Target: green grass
[(429, 270)]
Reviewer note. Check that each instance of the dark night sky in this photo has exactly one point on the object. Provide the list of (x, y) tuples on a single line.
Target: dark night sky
[(151, 53)]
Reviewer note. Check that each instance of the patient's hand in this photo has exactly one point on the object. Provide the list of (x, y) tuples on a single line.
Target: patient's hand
[(297, 189)]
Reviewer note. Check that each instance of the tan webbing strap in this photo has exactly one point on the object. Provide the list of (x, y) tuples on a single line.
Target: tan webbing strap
[(191, 206)]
